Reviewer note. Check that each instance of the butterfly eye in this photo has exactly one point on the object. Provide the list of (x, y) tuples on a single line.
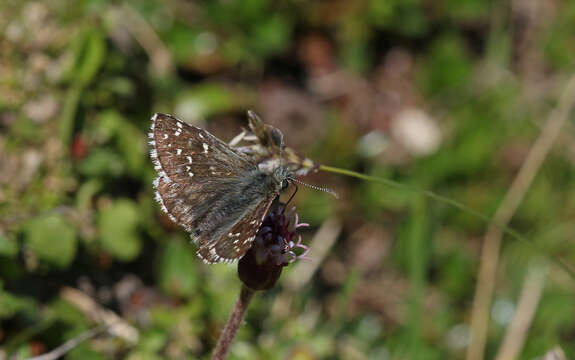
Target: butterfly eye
[(285, 184)]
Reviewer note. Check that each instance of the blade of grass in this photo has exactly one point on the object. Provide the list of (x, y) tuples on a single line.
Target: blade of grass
[(346, 296), (71, 103), (417, 262), (453, 203)]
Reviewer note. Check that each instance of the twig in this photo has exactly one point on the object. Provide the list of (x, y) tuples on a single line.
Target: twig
[(527, 305), (116, 325), (233, 324), (555, 354), (71, 344), (160, 57), (492, 241)]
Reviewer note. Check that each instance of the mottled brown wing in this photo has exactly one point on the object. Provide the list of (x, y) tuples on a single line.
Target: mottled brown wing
[(204, 185), (234, 243), (193, 166), (184, 153)]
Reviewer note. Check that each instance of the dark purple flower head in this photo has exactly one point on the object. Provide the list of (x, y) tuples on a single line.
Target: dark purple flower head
[(275, 241), (274, 247)]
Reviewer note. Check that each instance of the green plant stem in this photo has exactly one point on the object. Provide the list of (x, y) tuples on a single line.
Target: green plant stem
[(445, 200), (230, 330), (417, 262)]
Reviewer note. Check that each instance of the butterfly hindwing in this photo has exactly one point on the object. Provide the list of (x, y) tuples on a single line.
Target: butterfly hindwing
[(234, 243)]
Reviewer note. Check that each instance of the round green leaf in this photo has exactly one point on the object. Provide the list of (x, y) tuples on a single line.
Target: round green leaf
[(176, 264), (52, 239), (118, 229)]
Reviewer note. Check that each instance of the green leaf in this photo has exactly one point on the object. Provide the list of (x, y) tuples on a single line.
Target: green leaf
[(8, 246), (132, 147), (448, 65), (176, 269), (90, 57), (52, 239), (467, 11), (118, 229), (107, 125), (102, 162), (206, 100), (11, 304), (270, 35)]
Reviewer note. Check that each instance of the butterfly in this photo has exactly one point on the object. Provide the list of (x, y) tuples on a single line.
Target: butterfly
[(216, 193)]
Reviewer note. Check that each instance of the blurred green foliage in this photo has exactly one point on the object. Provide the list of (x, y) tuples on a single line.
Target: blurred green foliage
[(79, 82)]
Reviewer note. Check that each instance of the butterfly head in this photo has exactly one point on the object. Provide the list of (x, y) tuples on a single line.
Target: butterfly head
[(282, 177)]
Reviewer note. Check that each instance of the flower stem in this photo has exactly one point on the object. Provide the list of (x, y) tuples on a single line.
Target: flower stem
[(229, 332)]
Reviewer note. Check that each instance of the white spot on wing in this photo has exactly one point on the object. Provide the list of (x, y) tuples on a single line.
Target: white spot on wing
[(189, 159), (206, 147), (178, 151)]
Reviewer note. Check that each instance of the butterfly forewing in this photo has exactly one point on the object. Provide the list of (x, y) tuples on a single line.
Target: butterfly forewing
[(210, 189), (181, 152)]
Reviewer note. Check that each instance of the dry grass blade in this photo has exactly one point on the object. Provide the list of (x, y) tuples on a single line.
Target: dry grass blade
[(116, 325), (319, 247), (71, 344), (492, 242), (555, 354), (160, 56), (528, 301)]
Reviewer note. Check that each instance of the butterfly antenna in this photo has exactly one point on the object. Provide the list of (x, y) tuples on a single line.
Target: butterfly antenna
[(290, 198), (327, 190), (282, 145)]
